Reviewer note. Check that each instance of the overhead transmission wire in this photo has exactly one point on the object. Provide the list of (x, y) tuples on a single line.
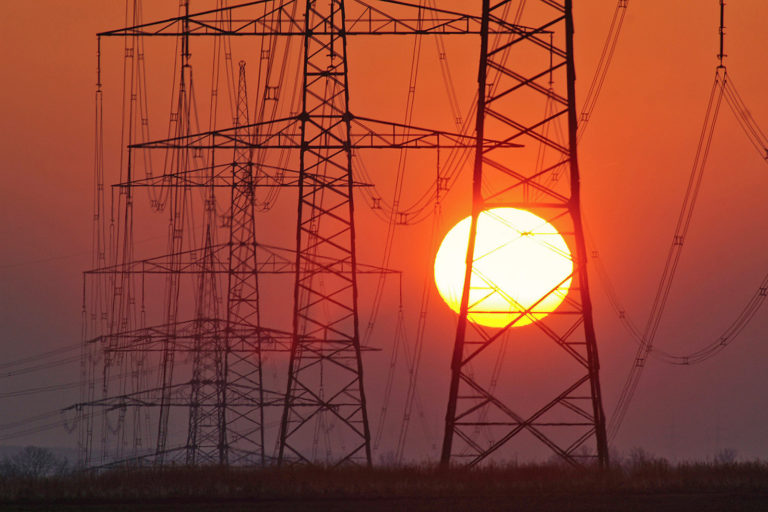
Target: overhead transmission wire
[(413, 362), (267, 52), (442, 184), (673, 256), (183, 109), (420, 208), (134, 91), (26, 369), (389, 382), (593, 92), (101, 244), (41, 355), (28, 423), (57, 387), (134, 119), (123, 223), (283, 156), (432, 196), (197, 155), (207, 160), (759, 141), (603, 65), (35, 424), (28, 420), (220, 45), (398, 189), (426, 198), (31, 425), (705, 353), (457, 158), (157, 202), (747, 123), (40, 366)]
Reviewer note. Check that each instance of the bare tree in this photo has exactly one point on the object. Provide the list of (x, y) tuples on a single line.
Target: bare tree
[(33, 462)]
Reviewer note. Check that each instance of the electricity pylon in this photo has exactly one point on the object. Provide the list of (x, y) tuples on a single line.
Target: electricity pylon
[(325, 374), (526, 94)]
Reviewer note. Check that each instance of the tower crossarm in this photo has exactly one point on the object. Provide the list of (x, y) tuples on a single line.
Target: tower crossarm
[(219, 176), (153, 338), (263, 18), (365, 133), (270, 260), (151, 397)]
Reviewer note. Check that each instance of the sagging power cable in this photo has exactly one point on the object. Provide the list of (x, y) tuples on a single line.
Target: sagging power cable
[(673, 256), (644, 340)]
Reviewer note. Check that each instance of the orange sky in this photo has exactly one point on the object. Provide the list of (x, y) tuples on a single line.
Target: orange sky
[(635, 160)]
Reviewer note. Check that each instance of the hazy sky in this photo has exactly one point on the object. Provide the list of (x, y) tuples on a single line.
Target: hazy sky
[(635, 159)]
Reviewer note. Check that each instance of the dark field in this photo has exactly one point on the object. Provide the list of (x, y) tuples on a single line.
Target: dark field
[(653, 486)]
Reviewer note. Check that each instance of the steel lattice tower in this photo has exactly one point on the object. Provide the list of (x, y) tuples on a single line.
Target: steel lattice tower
[(325, 372), (243, 367), (230, 428), (572, 422)]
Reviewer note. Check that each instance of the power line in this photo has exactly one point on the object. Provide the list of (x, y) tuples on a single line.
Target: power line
[(40, 356), (673, 256)]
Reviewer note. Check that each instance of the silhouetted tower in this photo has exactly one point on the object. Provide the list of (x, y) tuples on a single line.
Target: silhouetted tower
[(526, 95), (325, 373), (243, 375), (226, 412), (206, 437)]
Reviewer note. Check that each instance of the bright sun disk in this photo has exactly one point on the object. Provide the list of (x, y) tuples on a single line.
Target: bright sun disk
[(521, 263)]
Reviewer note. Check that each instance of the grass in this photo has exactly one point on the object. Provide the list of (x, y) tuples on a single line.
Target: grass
[(648, 485)]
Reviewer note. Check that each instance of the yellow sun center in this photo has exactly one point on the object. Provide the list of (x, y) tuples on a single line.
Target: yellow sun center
[(522, 268)]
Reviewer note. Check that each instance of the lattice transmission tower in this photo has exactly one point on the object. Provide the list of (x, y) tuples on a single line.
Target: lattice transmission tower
[(526, 94)]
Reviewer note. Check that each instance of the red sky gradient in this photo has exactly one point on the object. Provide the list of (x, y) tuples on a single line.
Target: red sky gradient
[(635, 160)]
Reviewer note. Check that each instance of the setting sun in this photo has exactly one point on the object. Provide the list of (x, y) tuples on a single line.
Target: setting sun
[(522, 267)]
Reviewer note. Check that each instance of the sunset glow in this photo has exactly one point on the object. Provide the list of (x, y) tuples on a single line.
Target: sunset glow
[(521, 263)]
